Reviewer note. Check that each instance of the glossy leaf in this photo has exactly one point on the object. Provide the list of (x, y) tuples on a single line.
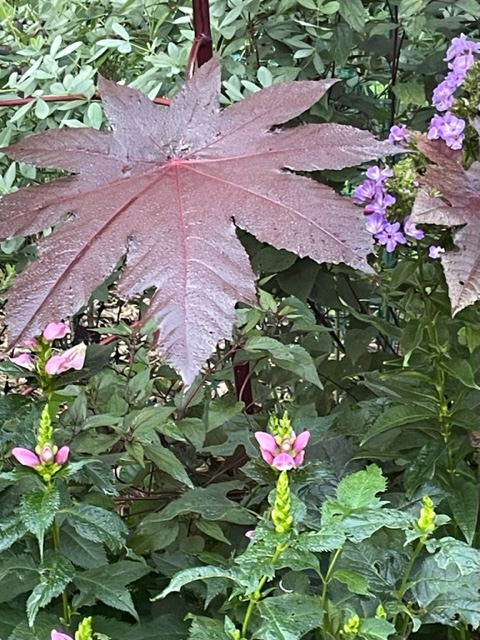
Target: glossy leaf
[(166, 187)]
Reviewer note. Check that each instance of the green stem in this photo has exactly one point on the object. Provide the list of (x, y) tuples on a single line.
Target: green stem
[(56, 546), (404, 584), (256, 595), (326, 580)]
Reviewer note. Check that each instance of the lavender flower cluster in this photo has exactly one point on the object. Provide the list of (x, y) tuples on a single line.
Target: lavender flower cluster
[(373, 195), (460, 59)]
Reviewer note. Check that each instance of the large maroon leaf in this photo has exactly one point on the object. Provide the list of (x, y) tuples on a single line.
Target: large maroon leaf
[(166, 187), (457, 206)]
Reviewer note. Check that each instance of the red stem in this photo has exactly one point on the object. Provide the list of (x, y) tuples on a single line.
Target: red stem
[(203, 34), (15, 102)]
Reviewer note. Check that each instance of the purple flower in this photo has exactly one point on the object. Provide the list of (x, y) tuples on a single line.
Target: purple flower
[(461, 45), (55, 331), (443, 96), (461, 65), (26, 457), (435, 252), (24, 360), (380, 203), (365, 192), (58, 635), (398, 134), (410, 229), (375, 223), (449, 128), (284, 455), (378, 175), (73, 358), (391, 236)]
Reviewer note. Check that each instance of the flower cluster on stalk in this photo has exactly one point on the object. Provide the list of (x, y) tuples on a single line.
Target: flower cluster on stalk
[(280, 447), (449, 127), (41, 359)]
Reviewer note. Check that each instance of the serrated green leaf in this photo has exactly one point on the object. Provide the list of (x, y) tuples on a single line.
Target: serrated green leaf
[(18, 574), (207, 629), (354, 581), (187, 576), (320, 541), (80, 551), (98, 525), (398, 416), (108, 584), (375, 629), (166, 461), (55, 574), (37, 511), (358, 490), (11, 530), (289, 617), (172, 626)]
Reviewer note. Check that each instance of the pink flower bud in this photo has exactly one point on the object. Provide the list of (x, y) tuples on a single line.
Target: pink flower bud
[(46, 455), (55, 331), (31, 343), (26, 457), (250, 533), (24, 360), (57, 635), (62, 455), (73, 358)]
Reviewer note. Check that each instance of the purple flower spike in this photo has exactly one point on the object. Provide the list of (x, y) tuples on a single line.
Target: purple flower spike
[(55, 331), (26, 457), (410, 229), (391, 236), (461, 45), (58, 635), (443, 96), (435, 252), (24, 360), (398, 134), (62, 455), (375, 223), (449, 128), (462, 64)]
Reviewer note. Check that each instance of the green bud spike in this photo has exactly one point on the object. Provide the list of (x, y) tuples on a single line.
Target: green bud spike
[(281, 516), (351, 627), (45, 428), (426, 521), (84, 631)]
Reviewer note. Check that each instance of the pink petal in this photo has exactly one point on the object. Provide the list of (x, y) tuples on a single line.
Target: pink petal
[(283, 462), (24, 360), (57, 635), (299, 458), (25, 457), (73, 358), (266, 441), (55, 365), (301, 441), (46, 454), (55, 330), (267, 456), (250, 534), (62, 455)]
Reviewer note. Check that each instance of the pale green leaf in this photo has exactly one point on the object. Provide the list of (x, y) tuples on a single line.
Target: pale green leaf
[(289, 617)]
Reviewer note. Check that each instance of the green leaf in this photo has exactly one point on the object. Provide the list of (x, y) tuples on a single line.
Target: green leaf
[(18, 574), (37, 511), (412, 7), (98, 525), (108, 584), (187, 576), (153, 535), (11, 530), (461, 370), (354, 581), (410, 93), (375, 629), (166, 461), (288, 617), (301, 363), (358, 490), (464, 503), (353, 12), (82, 552), (206, 629), (320, 541), (173, 628), (398, 416), (211, 529), (55, 574)]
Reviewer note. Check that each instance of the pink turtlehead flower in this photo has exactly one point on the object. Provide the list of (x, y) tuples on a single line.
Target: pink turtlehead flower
[(24, 360), (55, 331), (62, 454), (46, 455), (58, 635), (73, 358), (284, 455), (26, 457)]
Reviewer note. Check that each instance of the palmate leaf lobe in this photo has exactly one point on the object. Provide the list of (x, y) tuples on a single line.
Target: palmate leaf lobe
[(166, 187), (458, 207)]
